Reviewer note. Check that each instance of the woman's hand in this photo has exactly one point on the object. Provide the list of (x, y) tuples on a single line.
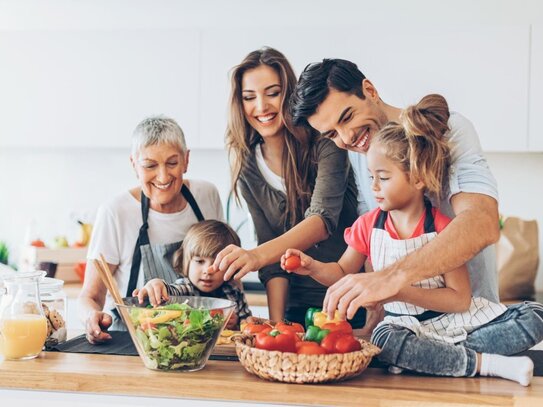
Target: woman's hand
[(236, 262), (305, 262), (96, 327), (155, 289)]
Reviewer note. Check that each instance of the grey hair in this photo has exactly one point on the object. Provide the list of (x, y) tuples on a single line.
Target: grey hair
[(158, 130)]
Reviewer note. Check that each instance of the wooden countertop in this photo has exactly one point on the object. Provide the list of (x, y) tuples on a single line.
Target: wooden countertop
[(126, 375)]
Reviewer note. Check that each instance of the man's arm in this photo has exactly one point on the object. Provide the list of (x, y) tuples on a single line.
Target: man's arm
[(474, 227)]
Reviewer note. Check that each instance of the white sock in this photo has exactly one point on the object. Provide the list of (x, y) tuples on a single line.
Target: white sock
[(395, 370), (517, 368)]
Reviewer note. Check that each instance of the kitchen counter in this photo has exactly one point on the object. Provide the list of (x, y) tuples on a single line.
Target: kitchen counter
[(219, 380)]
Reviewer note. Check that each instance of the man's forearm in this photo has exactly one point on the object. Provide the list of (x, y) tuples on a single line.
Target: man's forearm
[(468, 233)]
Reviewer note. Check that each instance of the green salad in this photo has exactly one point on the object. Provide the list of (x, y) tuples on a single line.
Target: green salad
[(176, 336)]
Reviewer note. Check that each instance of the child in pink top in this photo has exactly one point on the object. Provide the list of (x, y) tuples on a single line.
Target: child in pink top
[(434, 326)]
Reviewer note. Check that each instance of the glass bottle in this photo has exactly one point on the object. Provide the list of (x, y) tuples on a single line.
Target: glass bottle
[(23, 327)]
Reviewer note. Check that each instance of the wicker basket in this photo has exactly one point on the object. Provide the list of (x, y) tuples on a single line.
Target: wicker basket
[(294, 368)]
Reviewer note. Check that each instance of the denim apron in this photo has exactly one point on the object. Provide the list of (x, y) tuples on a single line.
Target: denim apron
[(446, 327), (154, 259)]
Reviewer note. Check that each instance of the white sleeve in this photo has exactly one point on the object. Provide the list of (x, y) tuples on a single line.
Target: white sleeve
[(216, 204), (469, 170), (105, 237)]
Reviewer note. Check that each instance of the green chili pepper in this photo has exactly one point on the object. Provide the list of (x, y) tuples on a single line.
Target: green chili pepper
[(315, 334), (309, 316)]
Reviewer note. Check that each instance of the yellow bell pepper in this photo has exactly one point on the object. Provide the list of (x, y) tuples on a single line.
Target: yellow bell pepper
[(321, 318), (161, 317)]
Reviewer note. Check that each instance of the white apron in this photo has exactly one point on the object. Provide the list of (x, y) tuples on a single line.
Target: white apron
[(447, 327)]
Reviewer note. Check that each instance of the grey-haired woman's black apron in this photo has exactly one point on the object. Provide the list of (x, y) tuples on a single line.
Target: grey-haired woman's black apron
[(154, 259)]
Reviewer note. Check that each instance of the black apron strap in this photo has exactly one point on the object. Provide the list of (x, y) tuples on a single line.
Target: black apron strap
[(380, 220), (192, 202), (143, 238), (429, 226)]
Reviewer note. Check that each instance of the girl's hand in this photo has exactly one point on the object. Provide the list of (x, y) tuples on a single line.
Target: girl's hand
[(233, 322), (306, 261), (236, 262), (155, 289)]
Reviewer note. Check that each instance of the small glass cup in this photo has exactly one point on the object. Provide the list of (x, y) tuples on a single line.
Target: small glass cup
[(23, 327)]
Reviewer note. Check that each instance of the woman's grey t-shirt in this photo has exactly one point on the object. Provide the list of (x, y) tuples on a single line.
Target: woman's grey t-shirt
[(334, 199)]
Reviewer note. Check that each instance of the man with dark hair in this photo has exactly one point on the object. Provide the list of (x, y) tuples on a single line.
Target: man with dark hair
[(336, 99)]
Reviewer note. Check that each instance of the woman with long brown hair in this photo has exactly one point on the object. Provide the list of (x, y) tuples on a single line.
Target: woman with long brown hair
[(299, 188)]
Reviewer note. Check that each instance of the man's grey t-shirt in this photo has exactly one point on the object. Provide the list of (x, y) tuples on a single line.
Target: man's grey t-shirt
[(470, 173)]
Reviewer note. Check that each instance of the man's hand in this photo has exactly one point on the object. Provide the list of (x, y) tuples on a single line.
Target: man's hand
[(361, 290)]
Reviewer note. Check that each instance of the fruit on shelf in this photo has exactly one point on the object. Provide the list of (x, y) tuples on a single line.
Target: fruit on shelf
[(37, 243), (61, 242), (85, 232)]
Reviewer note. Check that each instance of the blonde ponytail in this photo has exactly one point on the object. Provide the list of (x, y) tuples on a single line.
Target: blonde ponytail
[(417, 143)]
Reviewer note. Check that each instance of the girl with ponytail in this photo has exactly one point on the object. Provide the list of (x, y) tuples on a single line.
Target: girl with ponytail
[(434, 326)]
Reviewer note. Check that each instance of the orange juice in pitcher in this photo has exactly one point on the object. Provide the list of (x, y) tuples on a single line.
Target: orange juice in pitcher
[(22, 336), (23, 327)]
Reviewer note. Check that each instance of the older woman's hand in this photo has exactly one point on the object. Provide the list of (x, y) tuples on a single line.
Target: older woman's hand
[(235, 260), (96, 327)]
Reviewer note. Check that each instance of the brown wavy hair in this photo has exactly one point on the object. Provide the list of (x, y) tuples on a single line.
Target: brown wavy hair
[(298, 165), (417, 143)]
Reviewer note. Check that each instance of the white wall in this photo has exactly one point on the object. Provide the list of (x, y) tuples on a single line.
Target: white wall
[(53, 186)]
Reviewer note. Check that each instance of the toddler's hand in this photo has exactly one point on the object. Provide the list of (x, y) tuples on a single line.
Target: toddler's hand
[(155, 289), (291, 265), (233, 322)]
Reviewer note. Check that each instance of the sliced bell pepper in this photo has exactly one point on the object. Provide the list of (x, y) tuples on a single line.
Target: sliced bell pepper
[(162, 317)]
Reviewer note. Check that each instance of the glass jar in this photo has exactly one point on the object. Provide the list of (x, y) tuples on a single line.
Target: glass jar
[(23, 326), (53, 299)]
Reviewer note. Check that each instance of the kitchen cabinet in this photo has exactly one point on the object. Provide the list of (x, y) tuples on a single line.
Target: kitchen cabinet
[(536, 90), (482, 70), (90, 88)]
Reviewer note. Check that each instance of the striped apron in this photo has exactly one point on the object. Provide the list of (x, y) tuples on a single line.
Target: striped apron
[(447, 327)]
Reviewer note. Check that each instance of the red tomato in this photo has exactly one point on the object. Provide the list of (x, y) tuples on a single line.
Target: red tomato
[(147, 325), (214, 312), (290, 327), (309, 348), (292, 263), (254, 328), (37, 243), (276, 340), (330, 340), (347, 343), (341, 326)]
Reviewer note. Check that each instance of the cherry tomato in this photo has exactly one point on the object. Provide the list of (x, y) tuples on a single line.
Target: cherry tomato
[(292, 263), (254, 328), (289, 326), (214, 312)]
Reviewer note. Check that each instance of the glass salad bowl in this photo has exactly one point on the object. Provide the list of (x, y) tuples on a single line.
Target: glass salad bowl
[(178, 335)]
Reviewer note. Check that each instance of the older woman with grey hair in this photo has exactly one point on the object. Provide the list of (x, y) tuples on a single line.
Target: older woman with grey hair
[(138, 231)]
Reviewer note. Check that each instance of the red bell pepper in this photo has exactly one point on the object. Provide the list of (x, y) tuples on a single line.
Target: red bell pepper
[(275, 340)]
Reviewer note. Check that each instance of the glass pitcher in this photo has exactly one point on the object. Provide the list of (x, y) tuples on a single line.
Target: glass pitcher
[(23, 326)]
